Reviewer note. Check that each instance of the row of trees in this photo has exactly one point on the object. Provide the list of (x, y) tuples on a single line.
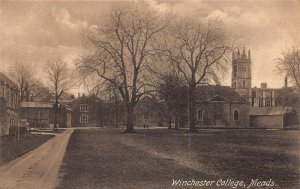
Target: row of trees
[(136, 52), (136, 47), (139, 52)]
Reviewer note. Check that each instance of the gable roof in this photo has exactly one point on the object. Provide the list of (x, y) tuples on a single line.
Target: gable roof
[(217, 98), (277, 110), (6, 79), (218, 93)]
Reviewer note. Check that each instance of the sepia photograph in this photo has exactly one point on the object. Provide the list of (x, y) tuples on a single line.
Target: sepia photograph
[(150, 94)]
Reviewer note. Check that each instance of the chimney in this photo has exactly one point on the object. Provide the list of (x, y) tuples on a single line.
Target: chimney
[(285, 82), (78, 95), (263, 85)]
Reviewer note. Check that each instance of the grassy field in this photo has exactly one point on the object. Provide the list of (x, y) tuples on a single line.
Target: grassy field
[(11, 149), (106, 158)]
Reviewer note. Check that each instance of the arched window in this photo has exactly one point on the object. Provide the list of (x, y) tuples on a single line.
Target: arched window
[(235, 115)]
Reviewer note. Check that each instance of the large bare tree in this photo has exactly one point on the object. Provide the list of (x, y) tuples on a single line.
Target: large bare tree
[(198, 49), (289, 64), (60, 80), (121, 50), (24, 75)]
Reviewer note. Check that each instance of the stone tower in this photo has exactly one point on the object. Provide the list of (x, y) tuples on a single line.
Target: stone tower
[(241, 73)]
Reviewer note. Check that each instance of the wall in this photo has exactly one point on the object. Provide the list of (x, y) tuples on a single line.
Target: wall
[(267, 121), (221, 114), (43, 117)]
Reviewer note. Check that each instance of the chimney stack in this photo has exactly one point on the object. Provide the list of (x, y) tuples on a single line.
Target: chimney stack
[(263, 85), (286, 82)]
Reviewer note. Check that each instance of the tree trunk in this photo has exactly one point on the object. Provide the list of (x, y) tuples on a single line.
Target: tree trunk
[(55, 115), (169, 122), (192, 111), (176, 122), (130, 119)]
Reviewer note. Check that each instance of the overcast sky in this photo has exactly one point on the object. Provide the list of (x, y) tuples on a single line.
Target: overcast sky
[(36, 31)]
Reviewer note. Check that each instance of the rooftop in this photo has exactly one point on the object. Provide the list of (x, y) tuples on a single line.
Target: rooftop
[(6, 79)]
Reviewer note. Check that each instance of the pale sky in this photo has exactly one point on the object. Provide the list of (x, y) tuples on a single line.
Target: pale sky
[(36, 31)]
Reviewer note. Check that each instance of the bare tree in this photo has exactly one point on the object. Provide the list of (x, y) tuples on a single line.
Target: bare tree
[(60, 80), (38, 91), (24, 75), (122, 50), (198, 49), (289, 64)]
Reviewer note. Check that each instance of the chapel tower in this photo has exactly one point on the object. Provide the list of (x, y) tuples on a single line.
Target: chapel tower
[(241, 73)]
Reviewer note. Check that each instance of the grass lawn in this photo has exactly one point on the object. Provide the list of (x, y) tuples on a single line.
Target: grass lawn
[(106, 158), (10, 149)]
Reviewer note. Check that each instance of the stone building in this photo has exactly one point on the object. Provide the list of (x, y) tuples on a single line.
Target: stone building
[(268, 105), (241, 73), (9, 104), (215, 106)]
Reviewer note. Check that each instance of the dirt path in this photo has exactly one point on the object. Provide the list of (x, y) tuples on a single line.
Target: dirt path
[(37, 169)]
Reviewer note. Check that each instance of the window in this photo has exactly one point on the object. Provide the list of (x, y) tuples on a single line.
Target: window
[(235, 71), (200, 115), (260, 102), (84, 119), (83, 107), (244, 84), (235, 115), (268, 102), (234, 84)]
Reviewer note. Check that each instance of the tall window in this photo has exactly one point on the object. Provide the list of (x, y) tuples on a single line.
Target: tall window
[(244, 71), (235, 71), (234, 84), (260, 102), (268, 102), (235, 115), (200, 115), (244, 84), (83, 107), (84, 119)]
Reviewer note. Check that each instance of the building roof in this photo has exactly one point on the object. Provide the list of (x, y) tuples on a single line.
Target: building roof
[(214, 92), (36, 105), (268, 111), (41, 105), (6, 79)]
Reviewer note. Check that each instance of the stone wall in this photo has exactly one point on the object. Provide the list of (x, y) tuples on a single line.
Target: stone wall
[(267, 121)]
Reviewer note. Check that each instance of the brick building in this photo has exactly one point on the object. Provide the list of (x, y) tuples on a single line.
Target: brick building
[(9, 104), (86, 111), (41, 114)]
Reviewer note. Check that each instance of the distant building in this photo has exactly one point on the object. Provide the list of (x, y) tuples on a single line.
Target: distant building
[(147, 113), (86, 112), (41, 114), (9, 104), (268, 105), (215, 106)]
